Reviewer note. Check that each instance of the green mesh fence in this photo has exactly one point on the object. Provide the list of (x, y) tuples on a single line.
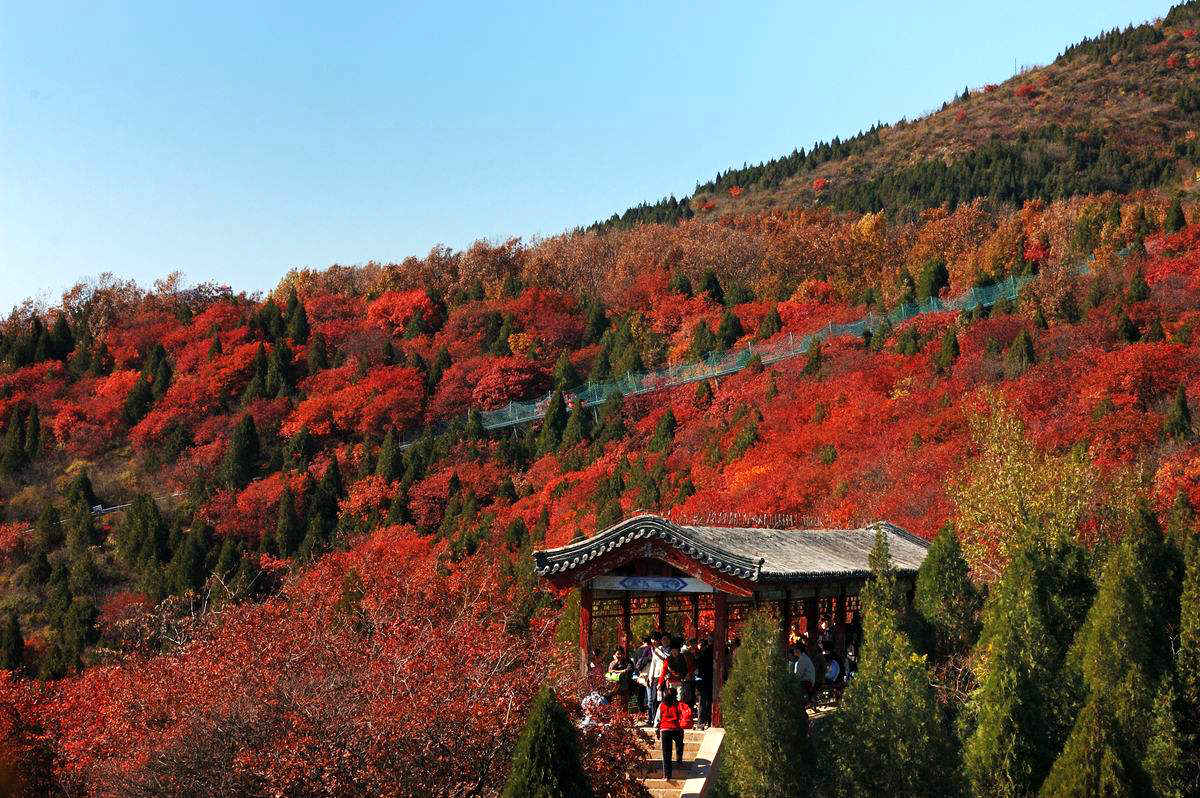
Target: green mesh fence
[(720, 364)]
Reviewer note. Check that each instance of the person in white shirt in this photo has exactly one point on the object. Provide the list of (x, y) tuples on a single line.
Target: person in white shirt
[(658, 661), (803, 668)]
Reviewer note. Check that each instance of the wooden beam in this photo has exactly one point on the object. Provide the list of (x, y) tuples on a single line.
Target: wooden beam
[(655, 550)]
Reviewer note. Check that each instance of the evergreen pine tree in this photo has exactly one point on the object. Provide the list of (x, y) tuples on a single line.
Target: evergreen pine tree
[(948, 353), (83, 574), (1179, 418), (710, 285), (287, 529), (12, 459), (1020, 354), (1026, 700), (596, 323), (553, 424), (241, 458), (48, 532), (768, 752), (188, 571), (1126, 330), (703, 341), (770, 325), (390, 464), (1175, 220), (317, 357), (934, 278), (664, 432), (297, 325), (566, 376), (612, 419), (730, 330), (946, 600), (680, 284), (33, 434), (546, 761), (703, 395), (1155, 334), (1126, 633), (901, 744), (137, 403), (1187, 658), (12, 643), (578, 427), (812, 364), (1139, 289)]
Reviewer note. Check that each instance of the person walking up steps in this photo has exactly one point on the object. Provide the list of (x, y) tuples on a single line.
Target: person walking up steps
[(673, 717)]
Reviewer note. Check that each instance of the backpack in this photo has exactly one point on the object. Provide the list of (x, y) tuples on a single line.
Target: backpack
[(685, 716)]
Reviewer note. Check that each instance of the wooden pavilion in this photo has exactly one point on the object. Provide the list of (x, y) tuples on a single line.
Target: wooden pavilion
[(647, 565)]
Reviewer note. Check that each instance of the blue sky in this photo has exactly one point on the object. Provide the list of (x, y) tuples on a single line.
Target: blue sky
[(233, 141)]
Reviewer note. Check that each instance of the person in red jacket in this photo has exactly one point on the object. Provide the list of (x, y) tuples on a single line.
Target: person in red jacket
[(673, 717)]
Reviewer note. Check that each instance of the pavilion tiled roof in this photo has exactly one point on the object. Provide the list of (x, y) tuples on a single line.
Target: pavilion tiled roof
[(755, 554)]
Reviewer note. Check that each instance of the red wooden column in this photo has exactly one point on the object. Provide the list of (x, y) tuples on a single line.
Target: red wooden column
[(785, 620), (625, 613), (839, 629), (720, 633), (812, 615), (662, 612), (585, 628)]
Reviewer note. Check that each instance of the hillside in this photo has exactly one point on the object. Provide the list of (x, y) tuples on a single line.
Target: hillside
[(242, 538), (1116, 112)]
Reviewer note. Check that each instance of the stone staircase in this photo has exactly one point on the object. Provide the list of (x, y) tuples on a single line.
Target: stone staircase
[(690, 779)]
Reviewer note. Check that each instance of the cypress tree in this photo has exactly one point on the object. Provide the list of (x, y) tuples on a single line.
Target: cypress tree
[(80, 491), (578, 427), (566, 376), (946, 600), (79, 628), (13, 457), (680, 284), (297, 326), (546, 761), (664, 432), (12, 643), (1020, 354), (58, 595), (703, 395), (1175, 220), (137, 403), (1027, 696), (516, 534), (703, 341), (390, 463), (1127, 331), (812, 364), (901, 745), (1187, 659), (553, 424), (287, 529), (1139, 289), (934, 277), (1179, 418), (770, 325), (1156, 333), (48, 532), (162, 379), (730, 330), (82, 575), (142, 534), (766, 726), (596, 323), (317, 357), (188, 571), (948, 353), (612, 419), (1126, 633), (710, 285), (33, 434), (241, 458)]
